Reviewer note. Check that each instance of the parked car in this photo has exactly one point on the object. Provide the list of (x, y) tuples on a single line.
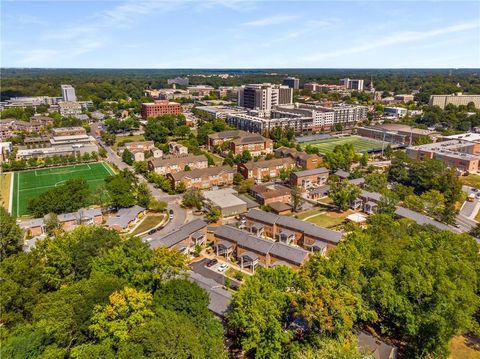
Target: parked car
[(152, 231), (222, 267), (211, 262)]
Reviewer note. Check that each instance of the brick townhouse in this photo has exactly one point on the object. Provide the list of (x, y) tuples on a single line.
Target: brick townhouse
[(203, 178), (302, 159), (268, 194), (257, 145), (309, 178), (265, 169), (177, 164)]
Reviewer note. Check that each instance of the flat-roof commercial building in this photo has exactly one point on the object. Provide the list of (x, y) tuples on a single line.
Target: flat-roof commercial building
[(398, 112), (160, 108), (459, 154), (70, 108), (227, 201), (69, 131), (396, 133), (61, 150), (455, 99), (219, 111)]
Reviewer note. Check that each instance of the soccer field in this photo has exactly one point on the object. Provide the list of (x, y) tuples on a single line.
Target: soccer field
[(30, 184), (361, 144)]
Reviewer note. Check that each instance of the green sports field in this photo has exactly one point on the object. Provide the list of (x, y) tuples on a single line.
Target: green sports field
[(30, 184), (361, 144)]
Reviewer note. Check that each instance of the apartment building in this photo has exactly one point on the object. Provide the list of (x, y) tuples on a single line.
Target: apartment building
[(160, 108), (268, 194), (292, 82), (264, 96), (219, 138), (256, 144), (200, 90), (292, 231), (69, 108), (307, 179), (252, 251), (397, 112), (187, 237), (138, 149), (403, 98), (203, 178), (177, 149), (69, 131), (219, 111), (68, 93), (316, 87), (302, 159), (457, 99), (456, 153), (261, 170), (352, 84), (177, 164)]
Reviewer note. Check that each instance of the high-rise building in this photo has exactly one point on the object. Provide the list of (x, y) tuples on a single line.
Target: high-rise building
[(264, 96), (352, 84), (68, 93), (292, 82)]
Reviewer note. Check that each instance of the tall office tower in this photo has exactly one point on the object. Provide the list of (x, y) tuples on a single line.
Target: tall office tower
[(264, 96), (352, 84), (68, 93), (292, 82)]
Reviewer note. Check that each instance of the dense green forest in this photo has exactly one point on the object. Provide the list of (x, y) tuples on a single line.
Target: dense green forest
[(115, 84)]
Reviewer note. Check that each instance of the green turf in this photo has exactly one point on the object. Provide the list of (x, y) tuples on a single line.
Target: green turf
[(360, 144), (30, 184)]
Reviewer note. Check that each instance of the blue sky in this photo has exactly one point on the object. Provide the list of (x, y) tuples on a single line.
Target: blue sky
[(239, 34)]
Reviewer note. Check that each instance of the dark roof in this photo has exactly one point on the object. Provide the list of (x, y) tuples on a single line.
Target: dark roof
[(182, 233), (423, 219), (315, 171), (244, 140), (250, 255), (250, 203), (280, 207), (269, 163), (357, 181), (201, 172), (219, 298), (320, 190), (371, 196), (160, 162), (226, 134), (291, 254), (371, 346), (342, 174), (295, 255), (295, 224)]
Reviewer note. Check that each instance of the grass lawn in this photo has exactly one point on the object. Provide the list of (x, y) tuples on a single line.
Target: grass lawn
[(150, 221), (361, 144), (323, 218), (217, 159), (30, 184), (5, 182), (460, 350), (471, 180), (126, 139)]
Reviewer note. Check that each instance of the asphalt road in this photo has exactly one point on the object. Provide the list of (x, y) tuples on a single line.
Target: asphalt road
[(179, 213)]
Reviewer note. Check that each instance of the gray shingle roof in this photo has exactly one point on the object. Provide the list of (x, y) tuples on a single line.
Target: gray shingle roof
[(125, 216), (342, 174), (296, 225), (182, 233), (312, 172), (357, 181), (420, 218), (295, 255), (219, 298), (371, 196)]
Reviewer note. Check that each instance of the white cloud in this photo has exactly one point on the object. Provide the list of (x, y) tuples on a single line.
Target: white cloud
[(271, 20), (394, 39)]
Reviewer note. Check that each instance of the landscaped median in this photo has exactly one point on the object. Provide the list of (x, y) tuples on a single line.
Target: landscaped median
[(149, 222)]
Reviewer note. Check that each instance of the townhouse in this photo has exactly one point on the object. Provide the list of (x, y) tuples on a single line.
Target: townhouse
[(302, 159), (268, 194), (266, 169), (187, 237), (67, 221), (290, 230), (252, 251), (138, 149), (125, 218), (203, 178), (177, 164), (309, 178), (219, 138), (177, 149), (256, 144), (367, 202)]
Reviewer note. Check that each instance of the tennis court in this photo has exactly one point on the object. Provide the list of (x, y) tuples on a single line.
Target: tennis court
[(361, 144), (30, 184)]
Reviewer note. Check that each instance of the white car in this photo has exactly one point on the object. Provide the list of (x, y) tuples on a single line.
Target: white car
[(222, 267)]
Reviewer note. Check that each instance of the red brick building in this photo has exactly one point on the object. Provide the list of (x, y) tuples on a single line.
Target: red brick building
[(160, 108)]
